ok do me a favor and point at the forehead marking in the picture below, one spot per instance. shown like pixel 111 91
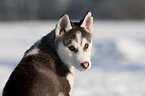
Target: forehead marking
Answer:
pixel 79 38
pixel 76 35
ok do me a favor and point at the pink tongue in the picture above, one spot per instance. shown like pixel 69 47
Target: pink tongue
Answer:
pixel 86 64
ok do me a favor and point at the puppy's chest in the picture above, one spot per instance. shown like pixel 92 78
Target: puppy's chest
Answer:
pixel 70 78
pixel 66 84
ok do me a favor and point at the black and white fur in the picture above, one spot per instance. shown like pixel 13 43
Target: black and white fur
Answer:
pixel 47 67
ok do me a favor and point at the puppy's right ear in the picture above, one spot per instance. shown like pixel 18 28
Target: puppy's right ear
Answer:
pixel 87 22
pixel 63 25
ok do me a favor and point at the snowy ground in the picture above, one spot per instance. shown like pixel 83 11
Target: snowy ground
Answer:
pixel 118 56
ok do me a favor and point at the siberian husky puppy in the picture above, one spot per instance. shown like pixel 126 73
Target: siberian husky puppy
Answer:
pixel 47 67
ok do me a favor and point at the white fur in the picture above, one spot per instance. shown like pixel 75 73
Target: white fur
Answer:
pixel 35 50
pixel 60 94
pixel 75 59
pixel 32 52
pixel 70 78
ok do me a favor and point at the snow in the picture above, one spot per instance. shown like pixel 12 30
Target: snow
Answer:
pixel 118 56
pixel 132 49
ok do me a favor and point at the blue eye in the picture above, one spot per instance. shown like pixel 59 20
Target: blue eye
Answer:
pixel 72 48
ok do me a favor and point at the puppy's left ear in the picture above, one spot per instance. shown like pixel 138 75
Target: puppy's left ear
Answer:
pixel 87 22
pixel 63 25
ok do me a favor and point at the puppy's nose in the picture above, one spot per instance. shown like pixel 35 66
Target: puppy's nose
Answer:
pixel 85 65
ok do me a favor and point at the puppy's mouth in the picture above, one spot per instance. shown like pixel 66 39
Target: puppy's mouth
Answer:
pixel 85 65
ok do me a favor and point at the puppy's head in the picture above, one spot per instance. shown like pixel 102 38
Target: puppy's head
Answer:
pixel 74 41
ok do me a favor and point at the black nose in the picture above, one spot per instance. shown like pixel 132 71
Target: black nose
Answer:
pixel 85 65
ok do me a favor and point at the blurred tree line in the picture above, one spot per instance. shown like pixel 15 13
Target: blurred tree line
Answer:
pixel 53 9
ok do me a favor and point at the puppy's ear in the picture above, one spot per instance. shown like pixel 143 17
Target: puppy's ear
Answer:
pixel 63 25
pixel 87 22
